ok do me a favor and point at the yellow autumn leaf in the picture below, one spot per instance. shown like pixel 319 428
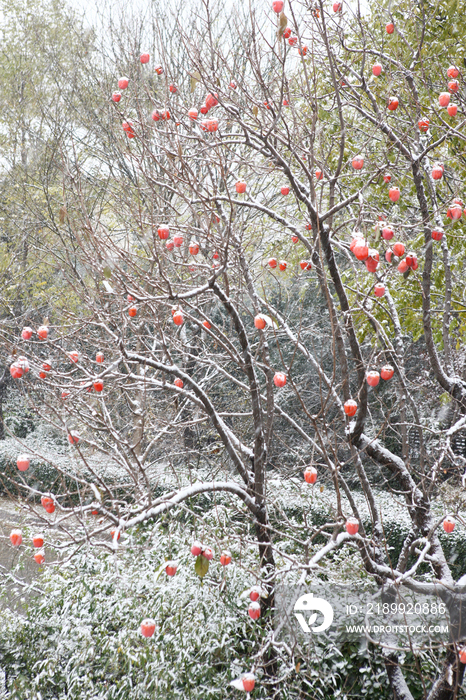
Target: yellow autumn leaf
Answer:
pixel 282 24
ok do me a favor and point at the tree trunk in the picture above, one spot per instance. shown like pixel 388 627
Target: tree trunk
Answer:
pixel 446 687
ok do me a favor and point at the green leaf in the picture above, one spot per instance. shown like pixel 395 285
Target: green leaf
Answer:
pixel 107 272
pixel 201 567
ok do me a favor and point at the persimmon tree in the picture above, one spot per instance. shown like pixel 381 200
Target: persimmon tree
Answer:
pixel 260 233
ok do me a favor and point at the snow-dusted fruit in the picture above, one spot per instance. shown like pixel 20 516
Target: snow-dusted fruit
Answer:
pixel 16 537
pixel 39 556
pixel 196 549
pixel 372 260
pixel 387 372
pixel 437 171
pixel 23 463
pixel 310 475
pixel 16 371
pixel 163 232
pixel 279 379
pixel 48 504
pixel 225 558
pixel 411 260
pixel 361 249
pixel 423 125
pixel 211 100
pixel 455 211
pixel 449 524
pixel 444 99
pixel 38 540
pixel 246 682
pixel 372 378
pixel 254 611
pixel 147 627
pixel 249 682
pixel 402 267
pixel 207 553
pixel 399 249
pixel 170 568
pixel 352 526
pixel 350 407
pixel 254 593
pixel 73 437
